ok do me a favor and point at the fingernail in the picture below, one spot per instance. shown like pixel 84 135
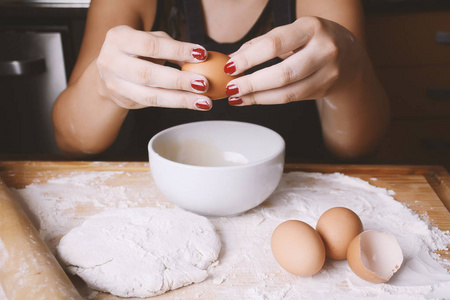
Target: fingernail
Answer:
pixel 199 53
pixel 230 68
pixel 235 100
pixel 199 85
pixel 202 104
pixel 231 90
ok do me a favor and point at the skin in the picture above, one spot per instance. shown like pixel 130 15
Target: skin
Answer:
pixel 120 67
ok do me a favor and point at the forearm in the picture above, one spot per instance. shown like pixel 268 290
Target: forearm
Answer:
pixel 355 117
pixel 85 121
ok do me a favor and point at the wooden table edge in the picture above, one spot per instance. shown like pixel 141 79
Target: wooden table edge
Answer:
pixel 437 176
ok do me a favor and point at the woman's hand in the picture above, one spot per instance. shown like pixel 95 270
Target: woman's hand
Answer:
pixel 320 57
pixel 132 73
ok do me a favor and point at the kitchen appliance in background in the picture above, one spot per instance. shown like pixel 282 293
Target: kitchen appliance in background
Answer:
pixel 32 75
pixel 49 3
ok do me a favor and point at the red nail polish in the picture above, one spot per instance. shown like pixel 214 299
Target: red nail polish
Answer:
pixel 199 85
pixel 199 53
pixel 235 101
pixel 231 90
pixel 202 104
pixel 230 68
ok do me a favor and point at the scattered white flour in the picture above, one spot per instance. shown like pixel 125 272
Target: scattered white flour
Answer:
pixel 63 203
pixel 140 252
pixel 247 269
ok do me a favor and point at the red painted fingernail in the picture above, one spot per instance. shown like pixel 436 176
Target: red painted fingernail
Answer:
pixel 199 85
pixel 202 104
pixel 199 53
pixel 231 90
pixel 235 100
pixel 230 68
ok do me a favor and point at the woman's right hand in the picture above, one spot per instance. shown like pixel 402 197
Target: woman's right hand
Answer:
pixel 132 73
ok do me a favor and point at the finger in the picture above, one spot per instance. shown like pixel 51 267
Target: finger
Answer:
pixel 292 69
pixel 155 45
pixel 249 43
pixel 277 42
pixel 246 45
pixel 147 73
pixel 113 86
pixel 200 54
pixel 314 86
pixel 146 96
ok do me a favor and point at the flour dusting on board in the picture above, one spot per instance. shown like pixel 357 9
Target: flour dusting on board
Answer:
pixel 246 268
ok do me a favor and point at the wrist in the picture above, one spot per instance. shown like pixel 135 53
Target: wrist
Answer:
pixel 353 75
pixel 103 94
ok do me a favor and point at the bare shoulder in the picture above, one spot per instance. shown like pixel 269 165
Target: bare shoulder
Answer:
pixel 348 13
pixel 106 14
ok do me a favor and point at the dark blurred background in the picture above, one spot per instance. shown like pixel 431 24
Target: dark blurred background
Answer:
pixel 408 41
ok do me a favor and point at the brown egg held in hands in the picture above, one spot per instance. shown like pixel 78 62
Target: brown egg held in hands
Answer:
pixel 298 248
pixel 375 256
pixel 213 70
pixel 337 227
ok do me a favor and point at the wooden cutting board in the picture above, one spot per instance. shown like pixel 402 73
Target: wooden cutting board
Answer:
pixel 425 189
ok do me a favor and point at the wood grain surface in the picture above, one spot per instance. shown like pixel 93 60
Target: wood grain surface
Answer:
pixel 424 189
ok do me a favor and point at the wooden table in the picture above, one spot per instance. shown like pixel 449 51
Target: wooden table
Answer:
pixel 425 189
pixel 431 183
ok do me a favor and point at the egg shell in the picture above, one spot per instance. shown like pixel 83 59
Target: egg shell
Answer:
pixel 213 69
pixel 298 248
pixel 374 256
pixel 338 226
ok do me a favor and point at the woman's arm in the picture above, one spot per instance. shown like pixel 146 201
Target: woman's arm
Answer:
pixel 324 59
pixel 120 68
pixel 82 115
pixel 355 116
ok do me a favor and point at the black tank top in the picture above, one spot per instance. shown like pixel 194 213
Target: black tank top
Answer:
pixel 297 122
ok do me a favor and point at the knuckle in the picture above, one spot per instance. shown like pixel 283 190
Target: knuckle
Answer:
pixel 251 99
pixel 274 44
pixel 242 61
pixel 186 102
pixel 182 52
pixel 110 85
pixel 111 34
pixel 332 51
pixel 125 102
pixel 150 46
pixel 179 83
pixel 290 96
pixel 114 33
pixel 151 100
pixel 145 74
pixel 248 87
pixel 160 33
pixel 101 62
pixel 315 23
pixel 285 76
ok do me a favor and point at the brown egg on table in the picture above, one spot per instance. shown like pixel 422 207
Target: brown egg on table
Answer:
pixel 337 227
pixel 375 256
pixel 298 248
pixel 213 70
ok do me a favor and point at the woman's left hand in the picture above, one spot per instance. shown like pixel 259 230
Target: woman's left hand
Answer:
pixel 320 57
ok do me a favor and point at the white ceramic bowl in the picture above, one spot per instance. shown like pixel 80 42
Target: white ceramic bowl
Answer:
pixel 217 168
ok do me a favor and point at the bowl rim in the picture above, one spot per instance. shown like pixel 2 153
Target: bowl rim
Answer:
pixel 280 150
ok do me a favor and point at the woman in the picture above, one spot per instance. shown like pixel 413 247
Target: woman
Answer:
pixel 316 51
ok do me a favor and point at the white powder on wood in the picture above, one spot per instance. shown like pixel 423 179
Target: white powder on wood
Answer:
pixel 247 269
